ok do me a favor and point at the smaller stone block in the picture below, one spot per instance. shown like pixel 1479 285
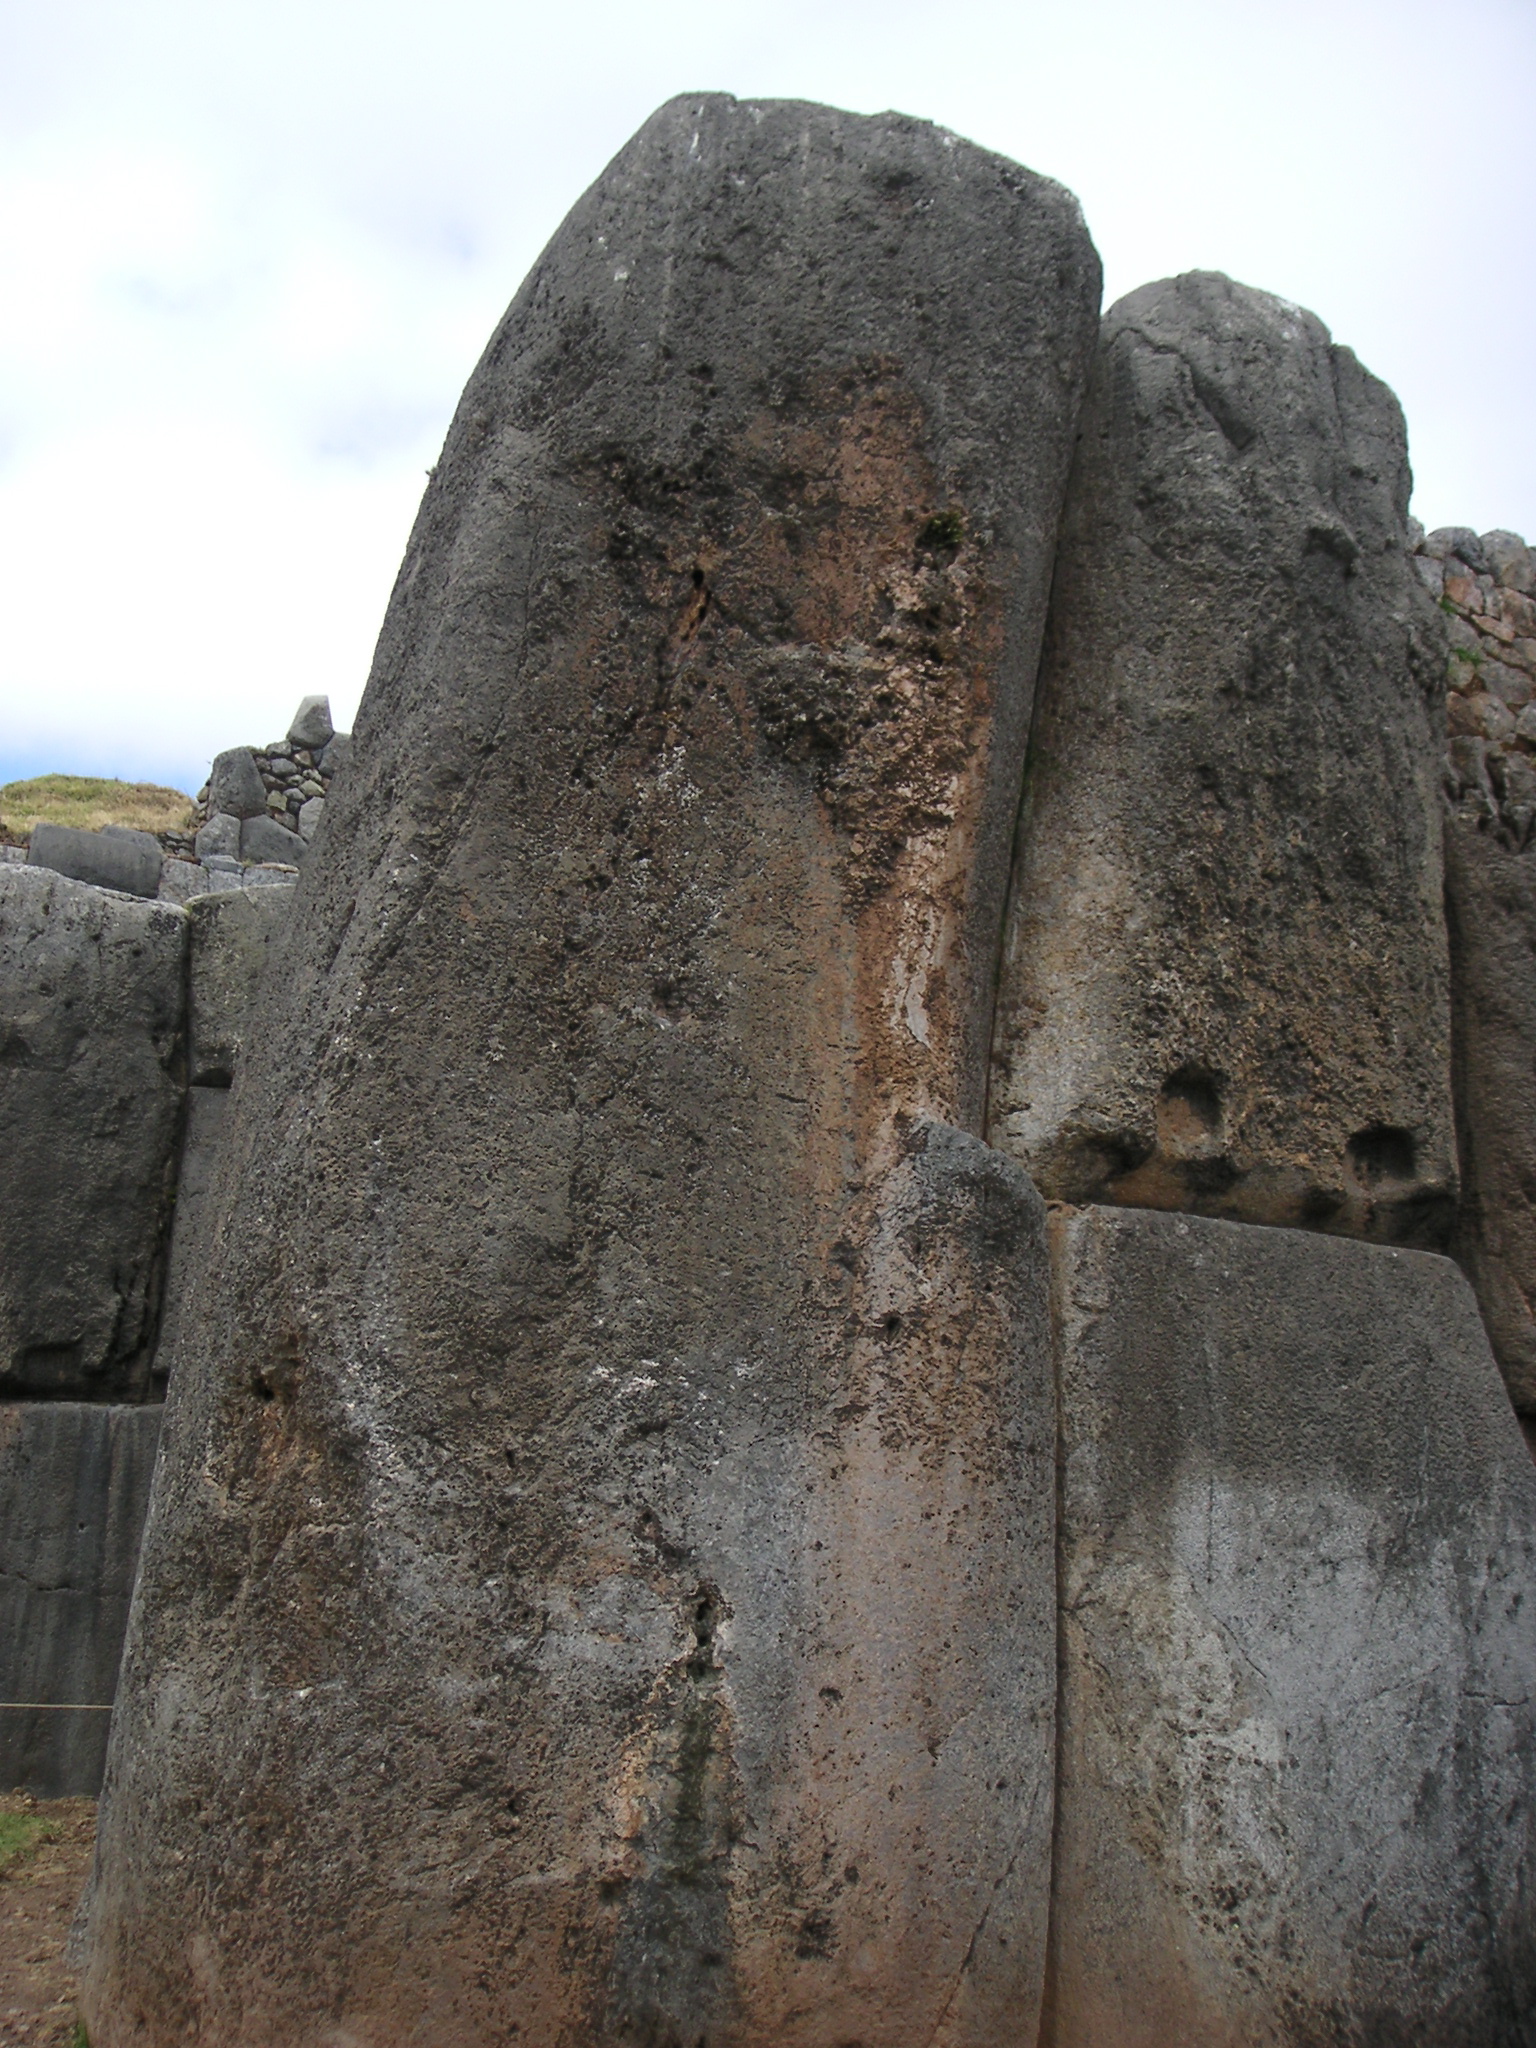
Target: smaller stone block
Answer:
pixel 233 934
pixel 337 754
pixel 181 880
pixel 129 861
pixel 74 1487
pixel 1298 1673
pixel 235 785
pixel 221 835
pixel 206 1128
pixel 312 725
pixel 310 813
pixel 264 839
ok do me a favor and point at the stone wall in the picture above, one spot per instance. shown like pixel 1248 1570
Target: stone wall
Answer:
pixel 253 823
pixel 122 1025
pixel 1486 586
pixel 660 1537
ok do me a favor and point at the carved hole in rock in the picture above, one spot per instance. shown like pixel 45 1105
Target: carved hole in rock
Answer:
pixel 1381 1154
pixel 1189 1112
pixel 278 1379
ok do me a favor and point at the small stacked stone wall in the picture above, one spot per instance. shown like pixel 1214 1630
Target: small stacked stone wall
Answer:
pixel 253 821
pixel 1486 586
pixel 265 804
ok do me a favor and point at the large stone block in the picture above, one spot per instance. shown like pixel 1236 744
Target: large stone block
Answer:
pixel 129 861
pixel 604 1527
pixel 92 1013
pixel 1490 901
pixel 234 934
pixel 74 1485
pixel 1298 1685
pixel 1225 987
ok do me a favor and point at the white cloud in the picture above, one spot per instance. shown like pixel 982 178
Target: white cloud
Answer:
pixel 251 253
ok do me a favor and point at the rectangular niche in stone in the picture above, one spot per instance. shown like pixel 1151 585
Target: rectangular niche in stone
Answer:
pixel 1298 1667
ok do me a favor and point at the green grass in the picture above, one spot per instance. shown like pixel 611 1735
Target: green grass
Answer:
pixel 79 2038
pixel 91 801
pixel 20 1833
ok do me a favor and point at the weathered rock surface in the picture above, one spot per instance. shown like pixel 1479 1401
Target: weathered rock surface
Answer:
pixel 233 936
pixel 74 1482
pixel 124 860
pixel 92 1020
pixel 263 839
pixel 221 835
pixel 1225 984
pixel 1490 898
pixel 235 786
pixel 1298 1685
pixel 604 1545
pixel 312 725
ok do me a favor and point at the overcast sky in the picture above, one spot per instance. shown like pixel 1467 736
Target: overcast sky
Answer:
pixel 249 254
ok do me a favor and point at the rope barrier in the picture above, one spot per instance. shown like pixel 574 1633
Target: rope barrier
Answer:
pixel 55 1707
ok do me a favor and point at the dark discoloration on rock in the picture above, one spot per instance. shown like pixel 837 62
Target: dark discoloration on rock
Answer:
pixel 74 1482
pixel 92 1014
pixel 600 1581
pixel 1226 978
pixel 1298 1680
pixel 1490 900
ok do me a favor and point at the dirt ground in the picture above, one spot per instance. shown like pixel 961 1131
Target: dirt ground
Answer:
pixel 39 1890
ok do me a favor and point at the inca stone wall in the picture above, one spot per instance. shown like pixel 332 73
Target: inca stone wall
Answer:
pixel 659 1538
pixel 109 1006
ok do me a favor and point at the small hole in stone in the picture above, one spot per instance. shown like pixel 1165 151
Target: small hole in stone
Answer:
pixel 1381 1152
pixel 1189 1109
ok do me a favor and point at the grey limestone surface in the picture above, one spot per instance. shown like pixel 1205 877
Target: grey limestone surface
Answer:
pixel 123 860
pixel 92 1046
pixel 606 1533
pixel 74 1485
pixel 1297 1779
pixel 1225 985
pixel 234 935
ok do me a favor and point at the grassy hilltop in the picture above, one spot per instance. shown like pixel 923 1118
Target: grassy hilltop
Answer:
pixel 90 801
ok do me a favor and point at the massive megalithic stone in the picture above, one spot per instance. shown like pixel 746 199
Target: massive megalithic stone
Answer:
pixel 74 1481
pixel 1297 1793
pixel 1225 988
pixel 600 1584
pixel 92 1028
pixel 1490 900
